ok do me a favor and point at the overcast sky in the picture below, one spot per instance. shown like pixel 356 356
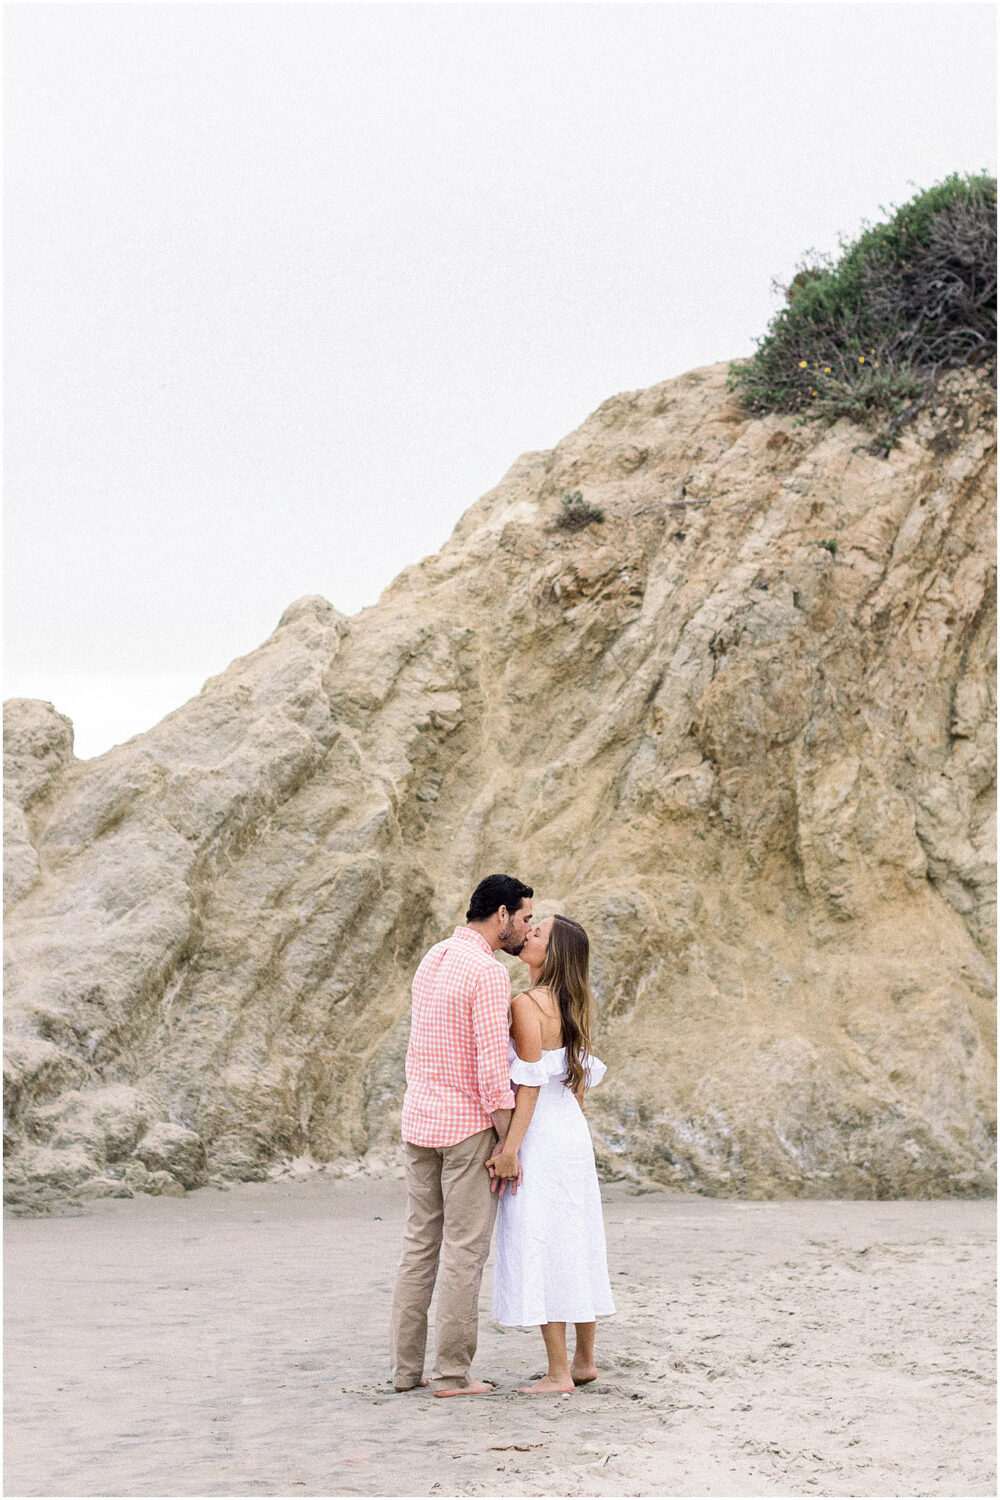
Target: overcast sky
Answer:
pixel 290 286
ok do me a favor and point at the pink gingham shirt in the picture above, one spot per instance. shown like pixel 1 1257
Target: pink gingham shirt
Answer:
pixel 457 1072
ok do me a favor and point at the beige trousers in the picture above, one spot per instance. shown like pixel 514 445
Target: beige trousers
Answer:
pixel 450 1213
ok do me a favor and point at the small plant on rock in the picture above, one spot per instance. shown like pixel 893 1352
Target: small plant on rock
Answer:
pixel 575 513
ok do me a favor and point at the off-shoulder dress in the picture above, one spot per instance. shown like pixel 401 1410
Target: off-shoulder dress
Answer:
pixel 550 1257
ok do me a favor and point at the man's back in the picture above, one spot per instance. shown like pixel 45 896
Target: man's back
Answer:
pixel 457 1070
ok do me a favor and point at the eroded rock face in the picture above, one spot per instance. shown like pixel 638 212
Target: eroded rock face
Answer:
pixel 174 1149
pixel 37 746
pixel 743 730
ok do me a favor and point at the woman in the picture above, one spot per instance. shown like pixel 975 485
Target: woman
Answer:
pixel 550 1263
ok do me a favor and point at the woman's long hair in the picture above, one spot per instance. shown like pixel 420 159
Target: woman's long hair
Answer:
pixel 565 975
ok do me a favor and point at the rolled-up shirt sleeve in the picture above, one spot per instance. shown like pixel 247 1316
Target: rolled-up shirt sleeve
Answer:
pixel 490 1030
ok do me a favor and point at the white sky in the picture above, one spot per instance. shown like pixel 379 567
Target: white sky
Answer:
pixel 290 286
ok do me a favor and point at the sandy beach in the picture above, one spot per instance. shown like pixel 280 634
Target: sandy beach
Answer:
pixel 233 1343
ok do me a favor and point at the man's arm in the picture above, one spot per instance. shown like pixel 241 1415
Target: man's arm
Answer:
pixel 504 1165
pixel 490 1010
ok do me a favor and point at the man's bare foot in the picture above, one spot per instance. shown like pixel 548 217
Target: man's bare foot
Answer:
pixel 474 1388
pixel 402 1388
pixel 547 1386
pixel 583 1374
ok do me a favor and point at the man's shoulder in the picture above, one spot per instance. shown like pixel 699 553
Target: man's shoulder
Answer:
pixel 462 948
pixel 463 956
pixel 432 960
pixel 496 973
pixel 435 950
pixel 480 958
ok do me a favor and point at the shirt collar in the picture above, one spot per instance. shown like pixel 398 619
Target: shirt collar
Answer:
pixel 468 935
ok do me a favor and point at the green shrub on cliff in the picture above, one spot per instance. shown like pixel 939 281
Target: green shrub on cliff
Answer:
pixel 870 334
pixel 575 513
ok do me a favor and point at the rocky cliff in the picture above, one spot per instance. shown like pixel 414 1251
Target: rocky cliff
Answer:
pixel 742 728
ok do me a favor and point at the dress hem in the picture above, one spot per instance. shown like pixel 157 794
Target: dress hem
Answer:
pixel 554 1318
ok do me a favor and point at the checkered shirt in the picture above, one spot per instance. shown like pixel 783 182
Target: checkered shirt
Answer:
pixel 457 1071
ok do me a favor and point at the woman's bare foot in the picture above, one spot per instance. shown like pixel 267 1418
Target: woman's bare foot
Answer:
pixel 547 1386
pixel 402 1388
pixel 582 1374
pixel 474 1388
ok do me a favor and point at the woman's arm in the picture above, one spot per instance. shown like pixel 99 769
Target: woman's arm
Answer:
pixel 527 1033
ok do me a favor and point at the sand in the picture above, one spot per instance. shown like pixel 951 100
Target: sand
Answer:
pixel 233 1343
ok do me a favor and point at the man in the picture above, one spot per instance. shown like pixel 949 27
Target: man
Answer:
pixel 457 1105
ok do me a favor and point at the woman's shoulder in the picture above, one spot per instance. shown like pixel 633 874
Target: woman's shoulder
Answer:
pixel 536 1016
pixel 525 1015
pixel 537 998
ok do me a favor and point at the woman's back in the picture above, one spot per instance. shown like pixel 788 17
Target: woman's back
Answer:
pixel 539 1005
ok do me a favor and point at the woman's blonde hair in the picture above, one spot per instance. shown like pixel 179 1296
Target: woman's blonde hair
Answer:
pixel 565 975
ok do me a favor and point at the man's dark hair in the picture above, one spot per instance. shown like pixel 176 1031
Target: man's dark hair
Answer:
pixel 496 891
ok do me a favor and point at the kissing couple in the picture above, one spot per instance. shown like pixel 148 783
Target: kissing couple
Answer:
pixel 476 1158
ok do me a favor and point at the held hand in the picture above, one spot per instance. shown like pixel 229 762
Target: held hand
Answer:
pixel 504 1168
pixel 499 1185
pixel 498 1151
pixel 503 1163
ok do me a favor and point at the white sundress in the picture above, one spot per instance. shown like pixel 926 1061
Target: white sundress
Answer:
pixel 550 1260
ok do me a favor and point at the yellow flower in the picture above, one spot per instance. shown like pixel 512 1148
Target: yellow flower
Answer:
pixel 803 363
pixel 826 369
pixel 861 359
pixel 815 393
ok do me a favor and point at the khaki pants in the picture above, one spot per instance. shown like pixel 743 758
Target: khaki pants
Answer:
pixel 450 1213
